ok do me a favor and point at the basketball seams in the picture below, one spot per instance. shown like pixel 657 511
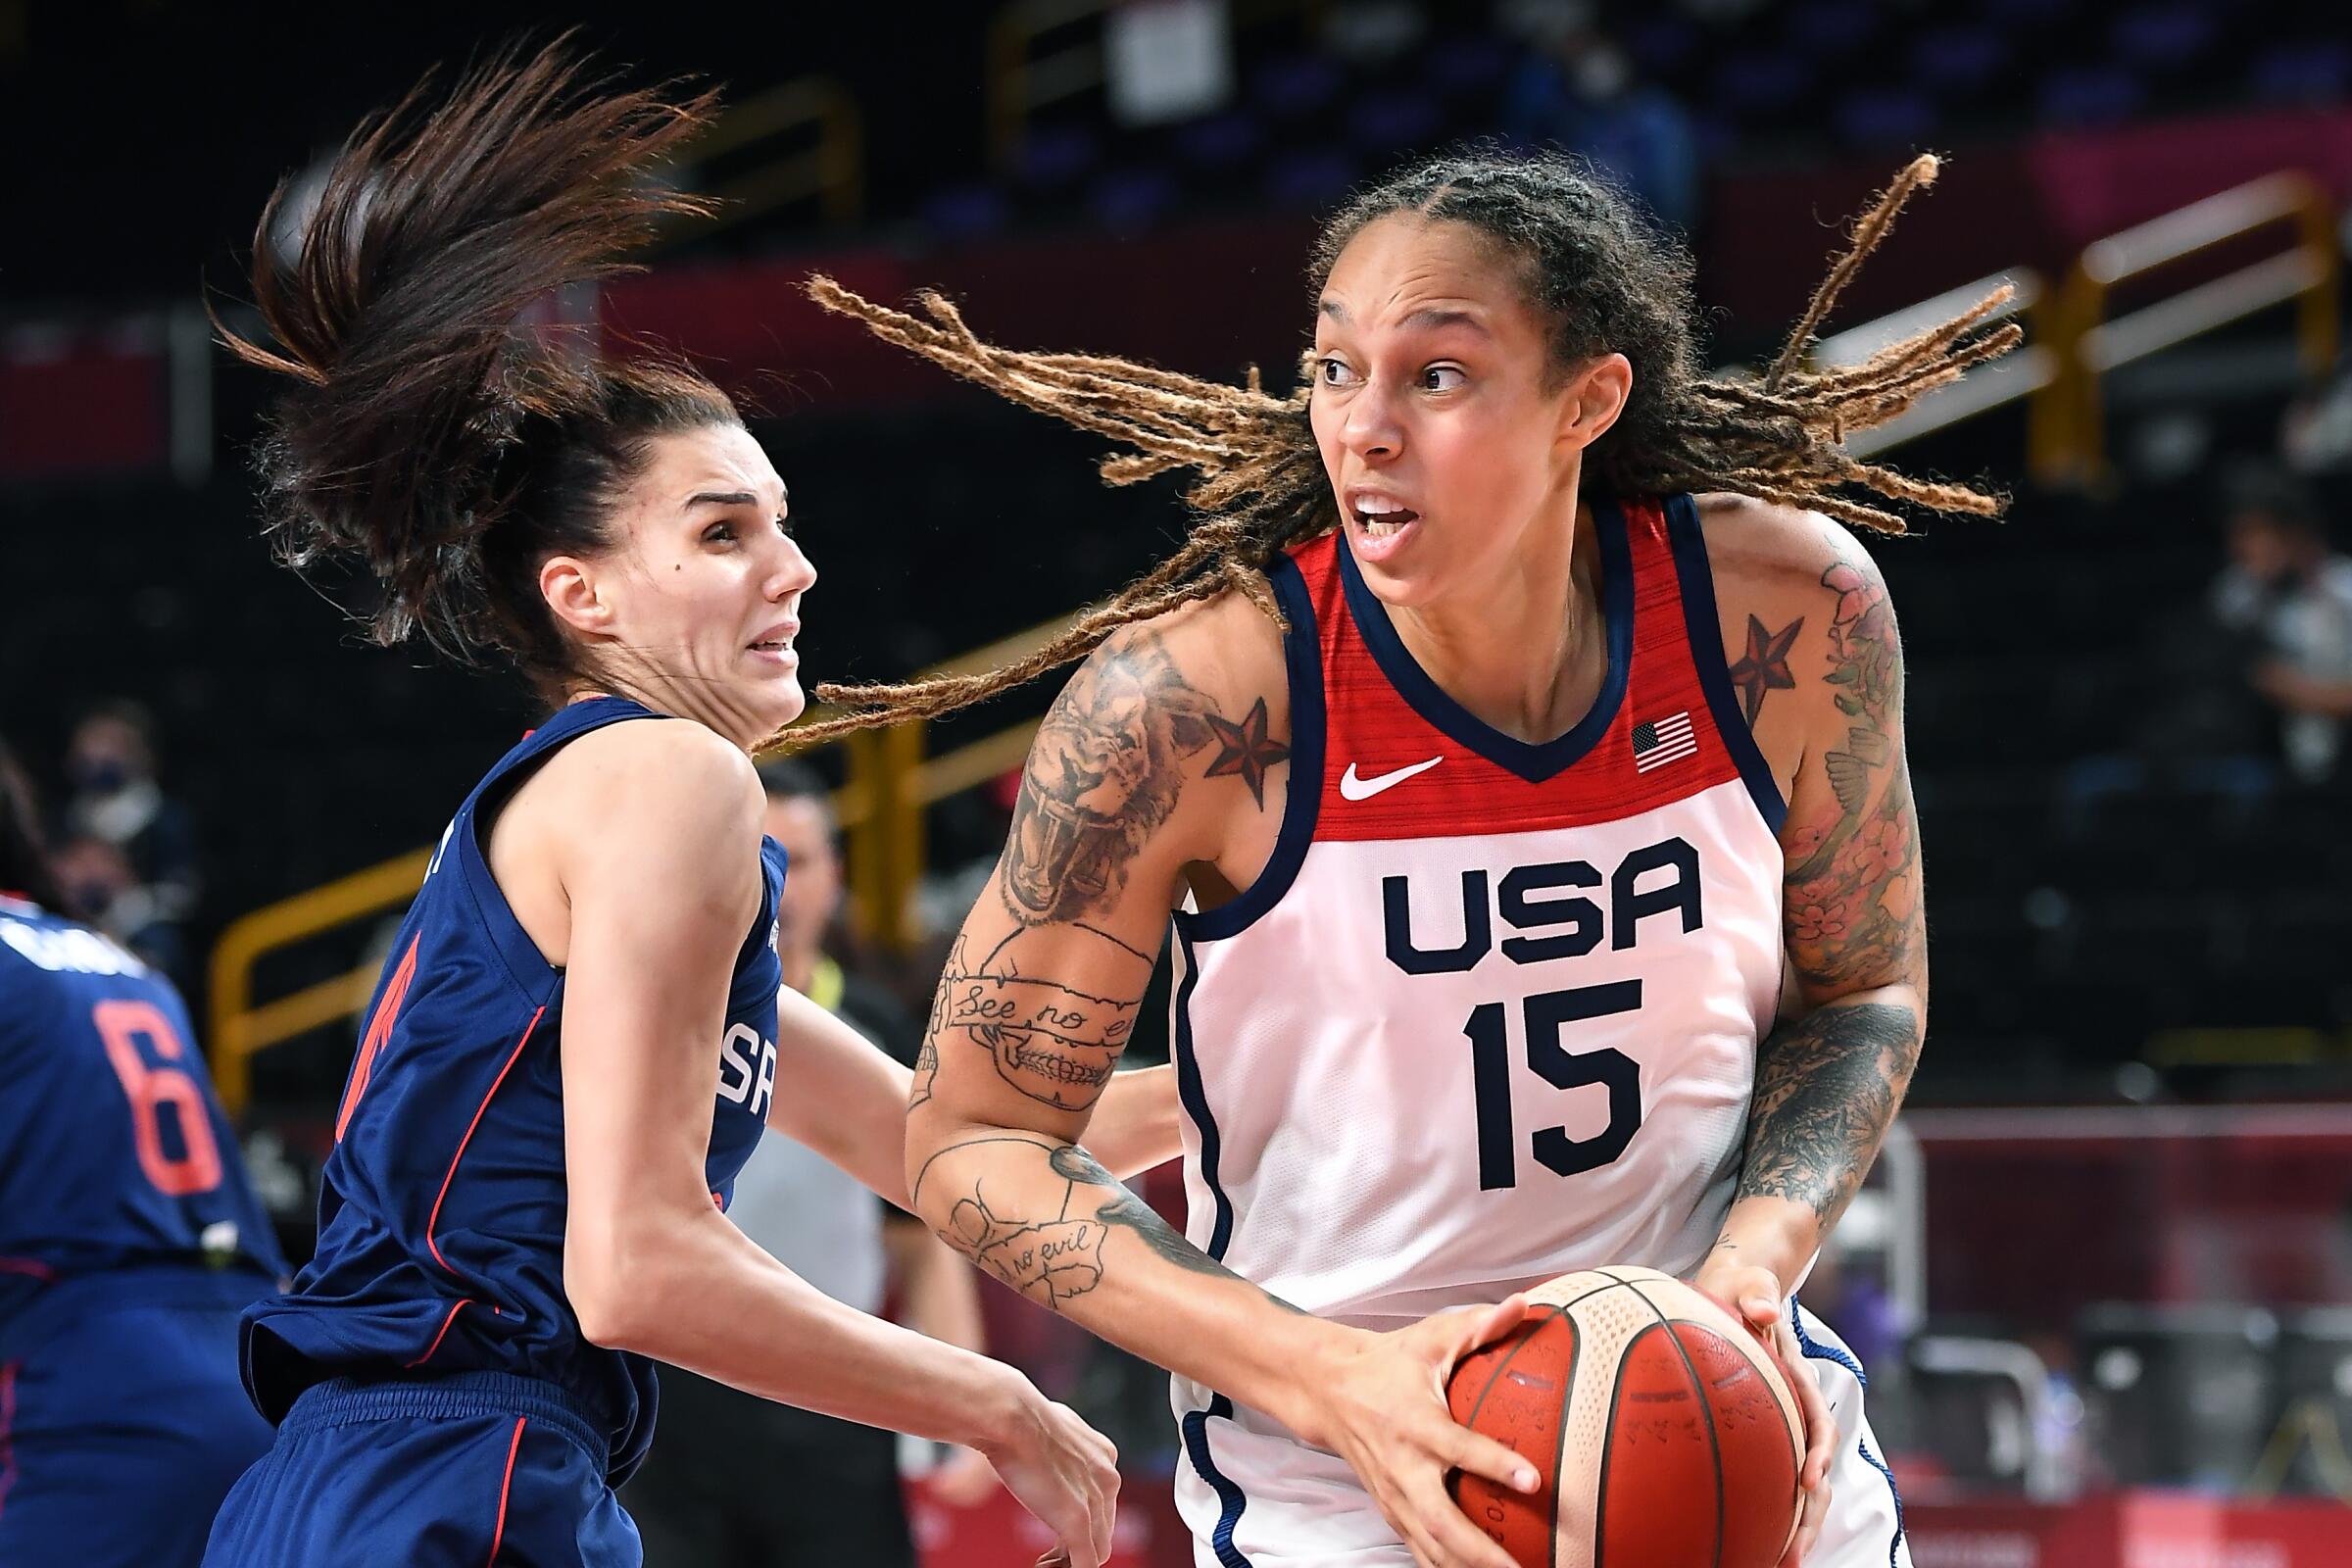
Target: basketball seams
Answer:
pixel 1559 1442
pixel 1698 1385
pixel 1586 1436
pixel 1608 1449
pixel 1533 1329
pixel 1551 1313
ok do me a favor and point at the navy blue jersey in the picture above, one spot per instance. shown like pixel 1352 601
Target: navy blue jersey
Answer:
pixel 114 1152
pixel 441 1219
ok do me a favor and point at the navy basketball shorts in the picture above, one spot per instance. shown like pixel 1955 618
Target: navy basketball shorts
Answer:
pixel 479 1469
pixel 121 1430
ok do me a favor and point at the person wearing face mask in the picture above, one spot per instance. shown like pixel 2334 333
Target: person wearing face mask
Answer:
pixel 582 1029
pixel 1514 750
pixel 116 801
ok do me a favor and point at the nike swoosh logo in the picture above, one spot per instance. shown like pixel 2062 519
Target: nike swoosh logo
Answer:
pixel 1353 788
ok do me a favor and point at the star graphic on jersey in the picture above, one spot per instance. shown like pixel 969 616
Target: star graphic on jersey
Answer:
pixel 1766 666
pixel 1244 749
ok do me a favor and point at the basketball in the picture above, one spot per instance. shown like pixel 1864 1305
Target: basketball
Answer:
pixel 1662 1429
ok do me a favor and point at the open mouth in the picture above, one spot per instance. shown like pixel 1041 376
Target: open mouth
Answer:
pixel 1380 517
pixel 777 643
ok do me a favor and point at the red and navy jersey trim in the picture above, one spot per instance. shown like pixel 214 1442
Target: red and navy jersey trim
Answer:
pixel 1533 761
pixel 1302 663
pixel 1699 616
pixel 1405 761
pixel 1359 697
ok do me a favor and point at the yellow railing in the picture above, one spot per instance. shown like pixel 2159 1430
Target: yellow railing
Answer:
pixel 891 781
pixel 238 1027
pixel 881 806
pixel 2067 436
pixel 804 140
pixel 2025 372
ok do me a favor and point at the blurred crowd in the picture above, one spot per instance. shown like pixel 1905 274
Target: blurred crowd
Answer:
pixel 126 853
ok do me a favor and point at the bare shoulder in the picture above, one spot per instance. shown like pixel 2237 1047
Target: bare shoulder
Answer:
pixel 1169 731
pixel 1764 552
pixel 611 817
pixel 628 796
pixel 1227 648
pixel 673 762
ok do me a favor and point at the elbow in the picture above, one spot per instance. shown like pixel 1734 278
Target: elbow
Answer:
pixel 610 1277
pixel 927 1134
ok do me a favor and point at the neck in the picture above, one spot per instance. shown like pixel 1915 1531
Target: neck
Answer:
pixel 1523 649
pixel 800 967
pixel 676 698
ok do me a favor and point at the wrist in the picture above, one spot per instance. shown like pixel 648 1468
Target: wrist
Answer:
pixel 1002 1415
pixel 1773 1234
pixel 1307 1369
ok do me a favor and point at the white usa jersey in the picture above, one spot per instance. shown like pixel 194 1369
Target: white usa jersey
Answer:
pixel 1488 1015
pixel 1491 1013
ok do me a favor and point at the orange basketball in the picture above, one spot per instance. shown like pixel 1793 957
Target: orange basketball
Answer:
pixel 1662 1429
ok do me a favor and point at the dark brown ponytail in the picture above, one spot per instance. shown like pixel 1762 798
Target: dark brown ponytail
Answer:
pixel 434 434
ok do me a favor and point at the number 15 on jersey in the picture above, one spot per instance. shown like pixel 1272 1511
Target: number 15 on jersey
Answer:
pixel 1543 1016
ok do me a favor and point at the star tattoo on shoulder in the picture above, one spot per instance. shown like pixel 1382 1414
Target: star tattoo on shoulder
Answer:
pixel 1244 749
pixel 1765 668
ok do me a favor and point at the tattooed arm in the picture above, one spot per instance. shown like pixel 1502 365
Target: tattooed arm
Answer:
pixel 1830 1078
pixel 1141 759
pixel 1164 760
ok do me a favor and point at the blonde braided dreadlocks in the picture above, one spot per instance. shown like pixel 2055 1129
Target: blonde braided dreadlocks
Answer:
pixel 1607 281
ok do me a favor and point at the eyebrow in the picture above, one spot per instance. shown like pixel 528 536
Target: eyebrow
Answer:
pixel 726 497
pixel 1432 317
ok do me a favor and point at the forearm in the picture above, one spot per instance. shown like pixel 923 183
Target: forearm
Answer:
pixel 694 1291
pixel 939 1294
pixel 1039 1214
pixel 1828 1086
pixel 1134 1125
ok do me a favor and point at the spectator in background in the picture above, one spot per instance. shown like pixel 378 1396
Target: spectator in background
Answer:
pixel 1577 89
pixel 114 799
pixel 743 1481
pixel 2315 436
pixel 101 888
pixel 2285 588
pixel 2263 671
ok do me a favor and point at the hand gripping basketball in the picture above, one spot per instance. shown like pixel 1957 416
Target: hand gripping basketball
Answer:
pixel 1753 1296
pixel 1666 1435
pixel 1380 1404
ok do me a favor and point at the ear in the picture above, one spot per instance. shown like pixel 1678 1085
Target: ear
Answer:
pixel 1595 396
pixel 569 586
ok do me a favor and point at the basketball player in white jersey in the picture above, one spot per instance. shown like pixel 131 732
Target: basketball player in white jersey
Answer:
pixel 1543 861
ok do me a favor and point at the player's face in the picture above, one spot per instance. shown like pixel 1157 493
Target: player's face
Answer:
pixel 699 600
pixel 1446 437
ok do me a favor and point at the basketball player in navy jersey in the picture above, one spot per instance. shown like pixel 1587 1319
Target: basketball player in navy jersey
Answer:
pixel 129 1240
pixel 1539 836
pixel 578 1036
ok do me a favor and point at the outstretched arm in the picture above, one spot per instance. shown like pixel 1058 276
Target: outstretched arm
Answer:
pixel 653 828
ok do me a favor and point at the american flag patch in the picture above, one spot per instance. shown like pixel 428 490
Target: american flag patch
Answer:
pixel 1663 740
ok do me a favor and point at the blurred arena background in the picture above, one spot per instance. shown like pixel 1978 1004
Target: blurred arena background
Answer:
pixel 2103 1275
